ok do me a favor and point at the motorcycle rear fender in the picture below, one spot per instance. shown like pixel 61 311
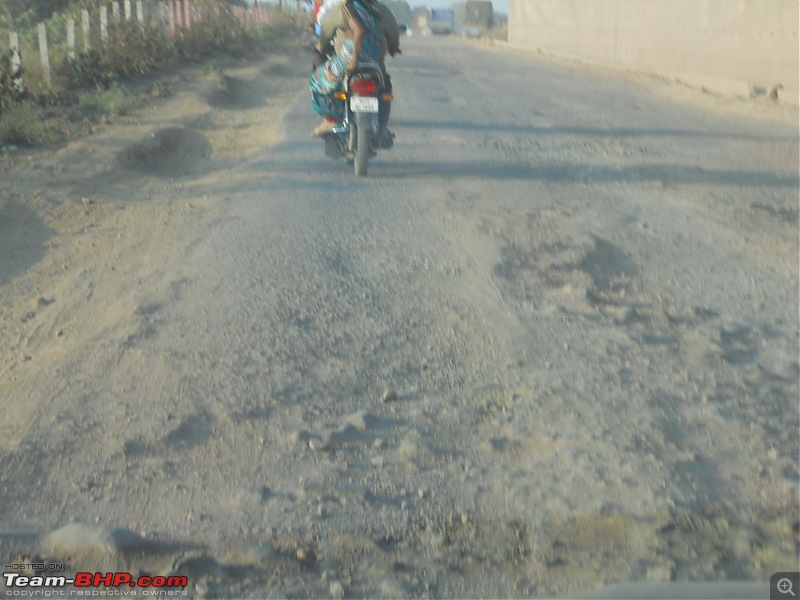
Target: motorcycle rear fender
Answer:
pixel 368 120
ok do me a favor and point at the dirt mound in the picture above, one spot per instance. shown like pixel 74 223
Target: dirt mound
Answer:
pixel 86 541
pixel 280 70
pixel 171 152
pixel 234 93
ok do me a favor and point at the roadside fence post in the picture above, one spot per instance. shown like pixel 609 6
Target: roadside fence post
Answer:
pixel 163 16
pixel 16 59
pixel 104 25
pixel 140 11
pixel 45 56
pixel 127 5
pixel 71 38
pixel 87 43
pixel 172 24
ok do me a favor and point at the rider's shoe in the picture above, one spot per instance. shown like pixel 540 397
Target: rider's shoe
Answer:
pixel 386 140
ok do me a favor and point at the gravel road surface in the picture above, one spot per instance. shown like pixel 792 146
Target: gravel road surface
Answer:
pixel 549 343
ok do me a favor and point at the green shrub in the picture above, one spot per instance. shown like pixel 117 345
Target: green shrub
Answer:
pixel 23 124
pixel 222 32
pixel 134 49
pixel 226 33
pixel 112 101
pixel 86 85
pixel 86 70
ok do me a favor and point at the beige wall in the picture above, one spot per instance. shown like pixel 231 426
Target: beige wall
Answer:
pixel 724 45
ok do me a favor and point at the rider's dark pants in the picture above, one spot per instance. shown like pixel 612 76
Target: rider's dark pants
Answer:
pixel 384 108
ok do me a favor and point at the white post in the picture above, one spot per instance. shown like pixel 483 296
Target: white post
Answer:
pixel 43 53
pixel 174 22
pixel 104 25
pixel 127 5
pixel 115 11
pixel 187 12
pixel 16 59
pixel 71 38
pixel 87 44
pixel 163 16
pixel 140 11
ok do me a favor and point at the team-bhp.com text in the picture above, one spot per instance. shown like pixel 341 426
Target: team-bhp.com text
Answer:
pixel 94 584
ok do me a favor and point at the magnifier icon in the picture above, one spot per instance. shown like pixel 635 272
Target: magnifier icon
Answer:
pixel 785 587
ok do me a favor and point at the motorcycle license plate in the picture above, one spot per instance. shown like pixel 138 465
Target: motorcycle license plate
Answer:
pixel 364 104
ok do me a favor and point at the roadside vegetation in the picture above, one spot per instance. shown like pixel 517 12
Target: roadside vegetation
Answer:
pixel 499 33
pixel 94 85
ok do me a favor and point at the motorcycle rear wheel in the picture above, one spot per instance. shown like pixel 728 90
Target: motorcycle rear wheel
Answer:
pixel 362 151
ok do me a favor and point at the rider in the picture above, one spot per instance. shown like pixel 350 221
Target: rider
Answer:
pixel 332 28
pixel 331 20
pixel 317 8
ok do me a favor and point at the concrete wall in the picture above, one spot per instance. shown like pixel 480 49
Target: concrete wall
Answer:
pixel 729 46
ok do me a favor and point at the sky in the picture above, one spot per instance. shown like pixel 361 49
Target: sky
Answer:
pixel 498 5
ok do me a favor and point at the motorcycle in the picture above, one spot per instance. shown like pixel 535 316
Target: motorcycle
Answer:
pixel 367 97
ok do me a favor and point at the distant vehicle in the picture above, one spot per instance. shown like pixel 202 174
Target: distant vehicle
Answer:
pixel 478 18
pixel 441 21
pixel 421 23
pixel 473 32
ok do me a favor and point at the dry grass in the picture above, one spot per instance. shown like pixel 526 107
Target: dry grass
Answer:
pixel 498 33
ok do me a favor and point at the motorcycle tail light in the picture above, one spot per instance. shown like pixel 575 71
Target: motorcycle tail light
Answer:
pixel 363 87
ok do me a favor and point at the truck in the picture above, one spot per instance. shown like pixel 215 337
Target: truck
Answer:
pixel 441 21
pixel 478 17
pixel 421 24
